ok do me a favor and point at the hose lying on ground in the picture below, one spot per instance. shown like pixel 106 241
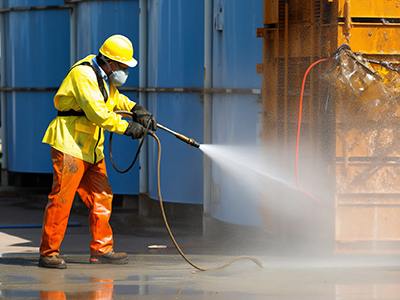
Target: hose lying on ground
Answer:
pixel 256 261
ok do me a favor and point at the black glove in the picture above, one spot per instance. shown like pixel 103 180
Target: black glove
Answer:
pixel 142 116
pixel 134 130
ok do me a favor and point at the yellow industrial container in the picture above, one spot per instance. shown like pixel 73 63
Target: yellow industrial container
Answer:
pixel 363 157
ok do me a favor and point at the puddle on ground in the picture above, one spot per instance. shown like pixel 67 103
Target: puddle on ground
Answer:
pixel 168 277
pixel 110 291
pixel 161 286
pixel 122 292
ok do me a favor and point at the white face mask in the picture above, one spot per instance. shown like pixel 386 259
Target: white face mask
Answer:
pixel 119 76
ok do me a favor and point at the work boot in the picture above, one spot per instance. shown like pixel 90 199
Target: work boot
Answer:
pixel 110 258
pixel 52 261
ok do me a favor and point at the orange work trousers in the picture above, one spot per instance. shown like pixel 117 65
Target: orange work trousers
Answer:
pixel 73 175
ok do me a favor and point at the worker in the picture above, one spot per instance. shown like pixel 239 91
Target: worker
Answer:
pixel 86 102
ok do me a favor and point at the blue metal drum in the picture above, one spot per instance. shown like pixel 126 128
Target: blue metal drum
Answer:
pixel 34 3
pixel 181 165
pixel 37 56
pixel 176 59
pixel 98 20
pixel 236 118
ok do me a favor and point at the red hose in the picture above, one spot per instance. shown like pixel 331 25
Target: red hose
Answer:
pixel 299 127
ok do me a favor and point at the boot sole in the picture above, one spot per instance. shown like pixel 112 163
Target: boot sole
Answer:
pixel 95 260
pixel 59 266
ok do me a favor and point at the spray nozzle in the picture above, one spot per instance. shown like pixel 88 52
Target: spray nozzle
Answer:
pixel 189 141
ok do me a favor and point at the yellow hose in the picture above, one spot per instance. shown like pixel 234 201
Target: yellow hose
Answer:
pixel 256 261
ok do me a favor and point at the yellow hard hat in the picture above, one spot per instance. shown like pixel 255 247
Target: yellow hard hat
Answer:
pixel 119 48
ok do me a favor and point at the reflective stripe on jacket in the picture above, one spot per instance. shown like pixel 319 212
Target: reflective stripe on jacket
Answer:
pixel 82 136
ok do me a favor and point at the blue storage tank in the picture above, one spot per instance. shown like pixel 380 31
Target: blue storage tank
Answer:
pixel 176 59
pixel 37 56
pixel 236 118
pixel 96 21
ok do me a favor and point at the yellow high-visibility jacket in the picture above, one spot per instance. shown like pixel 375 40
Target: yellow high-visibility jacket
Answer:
pixel 83 136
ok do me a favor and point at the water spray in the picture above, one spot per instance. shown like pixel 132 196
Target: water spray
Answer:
pixel 190 142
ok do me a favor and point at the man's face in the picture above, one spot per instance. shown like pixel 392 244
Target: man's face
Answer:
pixel 117 65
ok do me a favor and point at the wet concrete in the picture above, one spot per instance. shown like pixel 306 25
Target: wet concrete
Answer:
pixel 163 274
pixel 149 276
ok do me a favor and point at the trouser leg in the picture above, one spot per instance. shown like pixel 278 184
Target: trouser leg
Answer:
pixel 67 175
pixel 95 192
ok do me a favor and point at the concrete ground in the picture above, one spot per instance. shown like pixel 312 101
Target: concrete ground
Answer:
pixel 163 274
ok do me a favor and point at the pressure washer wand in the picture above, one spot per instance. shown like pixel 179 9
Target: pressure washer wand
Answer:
pixel 189 141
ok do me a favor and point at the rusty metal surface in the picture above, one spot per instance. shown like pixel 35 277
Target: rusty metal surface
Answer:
pixel 271 12
pixel 367 198
pixel 356 123
pixel 292 40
